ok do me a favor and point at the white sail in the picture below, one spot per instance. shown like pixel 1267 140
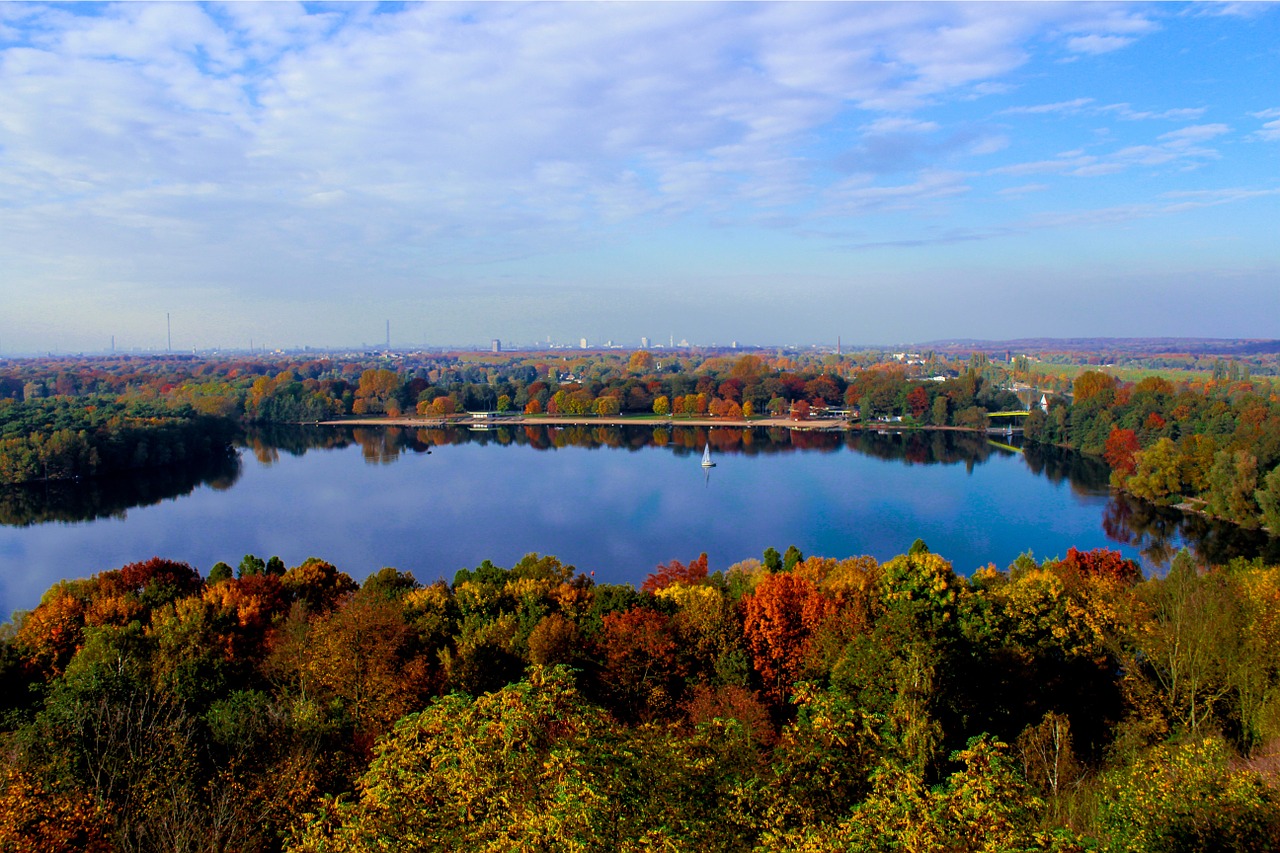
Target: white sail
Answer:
pixel 706 457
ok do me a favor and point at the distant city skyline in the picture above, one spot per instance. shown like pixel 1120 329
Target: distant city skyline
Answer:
pixel 188 176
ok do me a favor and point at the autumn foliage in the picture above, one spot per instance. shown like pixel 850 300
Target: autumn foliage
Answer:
pixel 1122 444
pixel 780 617
pixel 676 572
pixel 785 704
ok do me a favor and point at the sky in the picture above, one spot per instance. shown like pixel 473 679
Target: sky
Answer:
pixel 283 175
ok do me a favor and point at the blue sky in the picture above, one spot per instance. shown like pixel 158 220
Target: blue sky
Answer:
pixel 790 173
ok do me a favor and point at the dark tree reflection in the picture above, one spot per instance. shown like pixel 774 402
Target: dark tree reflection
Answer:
pixel 107 497
pixel 1160 532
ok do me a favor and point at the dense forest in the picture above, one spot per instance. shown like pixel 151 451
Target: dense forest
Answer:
pixel 787 703
pixel 66 438
pixel 1213 447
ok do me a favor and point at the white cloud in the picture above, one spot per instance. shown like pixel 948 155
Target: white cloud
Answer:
pixel 1183 200
pixel 1096 44
pixel 1104 28
pixel 1169 203
pixel 859 195
pixel 471 115
pixel 1123 111
pixel 1188 136
pixel 312 147
pixel 1071 106
pixel 1127 113
pixel 1182 147
pixel 900 124
pixel 1269 132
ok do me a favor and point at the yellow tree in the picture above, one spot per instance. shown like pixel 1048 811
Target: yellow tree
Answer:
pixel 37 816
pixel 360 655
pixel 641 361
pixel 375 391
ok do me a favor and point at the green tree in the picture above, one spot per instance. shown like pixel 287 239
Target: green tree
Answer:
pixel 1233 480
pixel 1268 498
pixel 791 558
pixel 938 412
pixel 535 767
pixel 1188 640
pixel 1184 797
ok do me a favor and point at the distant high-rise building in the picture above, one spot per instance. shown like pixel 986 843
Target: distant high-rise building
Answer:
pixel 495 345
pixel 733 345
pixel 644 343
pixel 582 344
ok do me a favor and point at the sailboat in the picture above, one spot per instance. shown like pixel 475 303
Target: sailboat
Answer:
pixel 706 457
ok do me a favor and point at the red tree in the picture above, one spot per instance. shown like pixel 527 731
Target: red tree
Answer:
pixel 1104 564
pixel 1121 446
pixel 676 572
pixel 640 668
pixel 781 616
pixel 918 401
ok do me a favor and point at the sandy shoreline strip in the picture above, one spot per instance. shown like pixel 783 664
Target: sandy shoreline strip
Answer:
pixel 569 420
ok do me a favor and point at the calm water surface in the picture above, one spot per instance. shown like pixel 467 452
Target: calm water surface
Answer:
pixel 615 502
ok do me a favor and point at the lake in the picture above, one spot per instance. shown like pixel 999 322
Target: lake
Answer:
pixel 608 500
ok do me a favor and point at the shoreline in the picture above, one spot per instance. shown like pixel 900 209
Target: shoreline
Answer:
pixel 580 420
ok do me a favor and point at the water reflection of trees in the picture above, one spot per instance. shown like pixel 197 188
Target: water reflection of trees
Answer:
pixel 1157 532
pixel 106 497
pixel 1084 474
pixel 268 441
pixel 1160 532
pixel 380 445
